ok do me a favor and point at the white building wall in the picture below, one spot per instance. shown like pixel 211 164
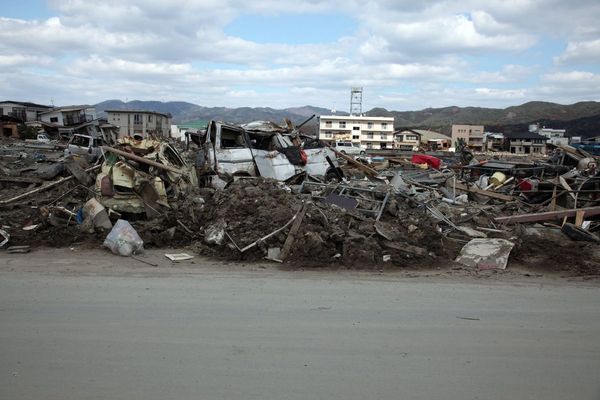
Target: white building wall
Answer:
pixel 54 117
pixel 371 132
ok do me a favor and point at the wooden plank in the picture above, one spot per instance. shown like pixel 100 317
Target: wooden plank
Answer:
pixel 289 241
pixel 487 193
pixel 553 202
pixel 361 166
pixel 565 185
pixel 547 216
pixel 143 160
pixel 579 218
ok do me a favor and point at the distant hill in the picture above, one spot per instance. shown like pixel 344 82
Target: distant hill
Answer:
pixel 581 118
pixel 184 112
pixel 440 118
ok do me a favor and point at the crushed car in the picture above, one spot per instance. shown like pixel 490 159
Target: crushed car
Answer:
pixel 260 148
pixel 140 176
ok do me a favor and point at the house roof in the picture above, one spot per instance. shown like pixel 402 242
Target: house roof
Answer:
pixel 25 104
pixel 68 108
pixel 166 115
pixel 524 135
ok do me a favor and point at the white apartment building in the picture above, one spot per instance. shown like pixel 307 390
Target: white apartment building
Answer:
pixel 370 132
pixel 141 123
pixel 555 136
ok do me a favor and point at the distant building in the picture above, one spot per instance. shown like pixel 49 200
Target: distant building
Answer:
pixel 370 132
pixel 406 140
pixel 140 123
pixel 9 126
pixel 424 138
pixel 493 141
pixel 471 134
pixel 525 143
pixel 555 136
pixel 178 131
pixel 68 120
pixel 23 111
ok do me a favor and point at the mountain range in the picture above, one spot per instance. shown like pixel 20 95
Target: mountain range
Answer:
pixel 583 117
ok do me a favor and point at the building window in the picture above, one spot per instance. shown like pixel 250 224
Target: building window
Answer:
pixel 369 136
pixel 384 125
pixel 356 137
pixel 342 124
pixel 369 125
pixel 328 134
pixel 137 118
pixel 383 145
pixel 327 124
pixel 411 137
pixel 369 145
pixel 356 128
pixel 383 136
pixel 54 120
pixel 149 117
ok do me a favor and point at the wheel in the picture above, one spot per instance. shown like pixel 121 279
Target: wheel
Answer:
pixel 362 153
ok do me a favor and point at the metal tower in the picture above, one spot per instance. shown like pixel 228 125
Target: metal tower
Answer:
pixel 356 101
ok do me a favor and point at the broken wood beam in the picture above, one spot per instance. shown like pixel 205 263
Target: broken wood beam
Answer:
pixel 289 241
pixel 370 171
pixel 547 216
pixel 143 160
pixel 487 193
pixel 45 187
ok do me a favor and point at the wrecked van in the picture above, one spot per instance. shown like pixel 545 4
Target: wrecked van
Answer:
pixel 84 145
pixel 260 148
pixel 142 175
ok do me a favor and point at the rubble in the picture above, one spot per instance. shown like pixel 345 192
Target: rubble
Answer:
pixel 419 212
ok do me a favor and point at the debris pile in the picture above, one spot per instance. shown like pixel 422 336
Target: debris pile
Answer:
pixel 419 212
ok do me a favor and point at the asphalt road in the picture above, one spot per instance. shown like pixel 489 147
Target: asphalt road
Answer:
pixel 238 335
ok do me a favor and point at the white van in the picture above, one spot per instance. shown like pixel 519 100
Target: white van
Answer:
pixel 84 145
pixel 350 148
pixel 262 149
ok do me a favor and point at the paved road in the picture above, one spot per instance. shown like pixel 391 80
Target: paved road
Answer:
pixel 236 335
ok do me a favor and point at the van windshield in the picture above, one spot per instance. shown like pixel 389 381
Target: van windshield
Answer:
pixel 81 141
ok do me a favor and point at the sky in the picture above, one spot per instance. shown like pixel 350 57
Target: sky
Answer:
pixel 406 55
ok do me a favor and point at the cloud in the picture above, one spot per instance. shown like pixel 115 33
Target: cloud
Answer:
pixel 404 53
pixel 508 74
pixel 584 52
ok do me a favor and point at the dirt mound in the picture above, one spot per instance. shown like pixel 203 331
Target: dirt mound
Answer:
pixel 328 235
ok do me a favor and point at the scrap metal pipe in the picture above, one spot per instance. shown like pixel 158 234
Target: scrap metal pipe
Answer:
pixel 142 160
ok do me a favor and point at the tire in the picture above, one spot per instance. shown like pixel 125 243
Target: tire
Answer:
pixel 576 233
pixel 363 153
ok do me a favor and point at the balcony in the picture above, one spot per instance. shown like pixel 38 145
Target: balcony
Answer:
pixel 76 119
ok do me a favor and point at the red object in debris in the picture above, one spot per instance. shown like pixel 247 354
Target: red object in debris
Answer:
pixel 432 161
pixel 528 185
pixel 303 157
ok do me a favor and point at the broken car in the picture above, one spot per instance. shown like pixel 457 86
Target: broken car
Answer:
pixel 259 149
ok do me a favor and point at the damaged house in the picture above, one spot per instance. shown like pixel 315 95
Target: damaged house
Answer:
pixel 23 111
pixel 69 120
